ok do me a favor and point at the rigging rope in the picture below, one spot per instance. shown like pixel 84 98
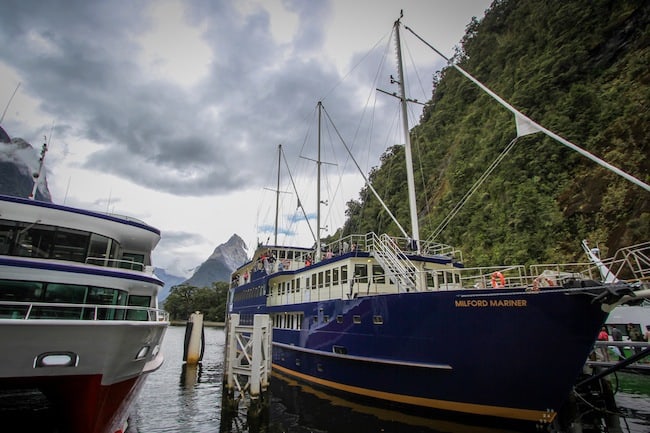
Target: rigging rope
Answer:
pixel 471 191
pixel 527 126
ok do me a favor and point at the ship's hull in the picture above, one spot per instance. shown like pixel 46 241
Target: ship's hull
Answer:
pixel 500 353
pixel 90 371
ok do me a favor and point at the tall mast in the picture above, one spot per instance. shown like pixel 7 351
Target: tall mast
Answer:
pixel 415 229
pixel 37 175
pixel 318 201
pixel 277 197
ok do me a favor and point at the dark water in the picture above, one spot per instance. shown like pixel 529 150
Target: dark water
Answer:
pixel 180 400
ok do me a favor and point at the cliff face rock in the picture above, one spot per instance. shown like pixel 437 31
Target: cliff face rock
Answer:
pixel 218 267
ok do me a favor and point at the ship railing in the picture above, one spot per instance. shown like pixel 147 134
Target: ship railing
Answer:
pixel 116 263
pixel 68 311
pixel 494 277
pixel 559 273
pixel 438 249
pixel 631 263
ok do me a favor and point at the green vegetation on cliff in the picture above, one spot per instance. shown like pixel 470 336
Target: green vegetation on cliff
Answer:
pixel 579 68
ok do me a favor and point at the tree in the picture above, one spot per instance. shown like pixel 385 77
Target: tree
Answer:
pixel 183 300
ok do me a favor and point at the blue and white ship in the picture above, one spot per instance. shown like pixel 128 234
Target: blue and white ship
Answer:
pixel 402 321
pixel 79 315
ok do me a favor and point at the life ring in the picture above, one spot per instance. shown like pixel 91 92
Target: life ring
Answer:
pixel 502 280
pixel 541 278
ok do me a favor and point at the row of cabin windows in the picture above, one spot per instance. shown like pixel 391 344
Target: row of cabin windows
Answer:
pixel 52 242
pixel 339 275
pixel 287 320
pixel 294 320
pixel 296 255
pixel 59 293
pixel 248 293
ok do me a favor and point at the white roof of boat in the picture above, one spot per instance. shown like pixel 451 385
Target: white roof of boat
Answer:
pixel 131 233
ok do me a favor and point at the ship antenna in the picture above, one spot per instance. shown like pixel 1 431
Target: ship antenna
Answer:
pixel 9 103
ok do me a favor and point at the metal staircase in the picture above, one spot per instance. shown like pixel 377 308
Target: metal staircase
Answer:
pixel 399 269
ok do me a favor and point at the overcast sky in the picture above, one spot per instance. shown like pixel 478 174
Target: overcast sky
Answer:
pixel 171 111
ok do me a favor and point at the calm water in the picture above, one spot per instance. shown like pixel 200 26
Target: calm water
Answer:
pixel 177 400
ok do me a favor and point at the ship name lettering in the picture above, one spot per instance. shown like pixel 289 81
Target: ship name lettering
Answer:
pixel 490 303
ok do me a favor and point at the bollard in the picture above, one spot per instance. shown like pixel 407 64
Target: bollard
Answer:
pixel 194 339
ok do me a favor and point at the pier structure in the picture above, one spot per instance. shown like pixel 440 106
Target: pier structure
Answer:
pixel 247 364
pixel 592 408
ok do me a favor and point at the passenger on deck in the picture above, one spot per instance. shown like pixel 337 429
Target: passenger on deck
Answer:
pixel 635 335
pixel 602 350
pixel 617 335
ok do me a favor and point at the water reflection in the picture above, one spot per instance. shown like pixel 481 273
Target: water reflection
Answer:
pixel 296 406
pixel 190 375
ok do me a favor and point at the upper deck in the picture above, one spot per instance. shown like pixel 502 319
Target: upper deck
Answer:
pixel 131 233
pixel 44 230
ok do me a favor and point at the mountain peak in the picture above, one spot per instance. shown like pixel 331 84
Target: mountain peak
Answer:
pixel 226 258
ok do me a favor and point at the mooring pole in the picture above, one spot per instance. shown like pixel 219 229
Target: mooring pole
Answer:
pixel 194 336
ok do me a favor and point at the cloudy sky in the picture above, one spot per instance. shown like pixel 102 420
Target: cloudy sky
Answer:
pixel 172 111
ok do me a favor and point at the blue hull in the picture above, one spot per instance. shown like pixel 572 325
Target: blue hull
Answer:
pixel 503 353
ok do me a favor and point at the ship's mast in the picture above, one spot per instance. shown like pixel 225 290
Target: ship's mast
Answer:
pixel 415 229
pixel 317 254
pixel 277 197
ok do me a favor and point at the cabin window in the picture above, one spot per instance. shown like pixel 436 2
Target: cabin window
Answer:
pixel 65 293
pixel 70 245
pixel 335 276
pixel 7 230
pixel 361 273
pixel 315 319
pixel 320 280
pixel 138 301
pixel 339 318
pixel 328 277
pixel 341 350
pixel 297 280
pixel 326 318
pixel 20 291
pixel 101 250
pixel 430 280
pixel 356 319
pixel 34 241
pixel 344 274
pixel 132 261
pixel 377 320
pixel 378 274
pixel 293 286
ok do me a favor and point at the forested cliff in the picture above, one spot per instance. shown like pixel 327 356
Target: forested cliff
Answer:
pixel 580 69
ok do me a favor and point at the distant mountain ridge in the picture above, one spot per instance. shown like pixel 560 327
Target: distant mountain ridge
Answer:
pixel 226 258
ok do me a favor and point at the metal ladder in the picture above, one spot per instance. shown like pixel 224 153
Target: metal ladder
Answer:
pixel 400 270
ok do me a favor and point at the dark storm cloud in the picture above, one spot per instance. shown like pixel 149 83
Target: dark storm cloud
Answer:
pixel 81 59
